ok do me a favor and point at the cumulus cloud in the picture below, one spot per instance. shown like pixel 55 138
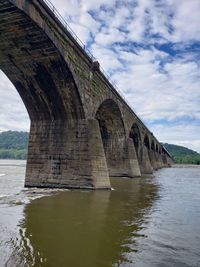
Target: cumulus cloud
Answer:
pixel 167 92
pixel 151 51
pixel 179 133
pixel 13 114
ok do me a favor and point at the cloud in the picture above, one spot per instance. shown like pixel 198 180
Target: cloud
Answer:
pixel 151 51
pixel 13 114
pixel 185 134
pixel 108 58
pixel 170 92
pixel 185 20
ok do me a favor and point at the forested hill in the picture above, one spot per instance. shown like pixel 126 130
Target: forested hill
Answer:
pixel 182 154
pixel 13 145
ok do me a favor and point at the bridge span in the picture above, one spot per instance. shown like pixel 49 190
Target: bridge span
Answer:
pixel 82 131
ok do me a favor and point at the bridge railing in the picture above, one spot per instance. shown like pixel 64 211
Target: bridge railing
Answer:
pixel 66 25
pixel 69 29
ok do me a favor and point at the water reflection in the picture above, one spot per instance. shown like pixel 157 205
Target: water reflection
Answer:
pixel 148 222
pixel 88 228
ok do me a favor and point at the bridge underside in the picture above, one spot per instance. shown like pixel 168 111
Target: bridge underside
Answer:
pixel 66 147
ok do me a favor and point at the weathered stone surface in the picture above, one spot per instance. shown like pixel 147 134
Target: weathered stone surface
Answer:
pixel 134 169
pixel 146 167
pixel 159 162
pixel 63 156
pixel 80 125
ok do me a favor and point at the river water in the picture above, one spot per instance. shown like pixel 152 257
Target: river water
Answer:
pixel 146 222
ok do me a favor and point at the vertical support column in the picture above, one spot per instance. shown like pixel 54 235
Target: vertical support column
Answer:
pixel 132 160
pixel 158 160
pixel 99 169
pixel 121 157
pixel 69 156
pixel 153 159
pixel 169 161
pixel 146 167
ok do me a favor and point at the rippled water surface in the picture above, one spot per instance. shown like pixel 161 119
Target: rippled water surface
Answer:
pixel 145 222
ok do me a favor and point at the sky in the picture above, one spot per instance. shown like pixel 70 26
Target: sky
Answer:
pixel 150 49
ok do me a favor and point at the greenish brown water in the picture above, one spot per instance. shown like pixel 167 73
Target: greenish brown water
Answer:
pixel 145 222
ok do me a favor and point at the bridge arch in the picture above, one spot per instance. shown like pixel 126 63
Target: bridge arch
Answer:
pixel 146 166
pixel 146 142
pixel 153 156
pixel 36 68
pixel 135 135
pixel 113 136
pixel 153 145
pixel 164 157
pixel 157 148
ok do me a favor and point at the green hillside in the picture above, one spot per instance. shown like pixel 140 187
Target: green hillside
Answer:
pixel 13 145
pixel 182 154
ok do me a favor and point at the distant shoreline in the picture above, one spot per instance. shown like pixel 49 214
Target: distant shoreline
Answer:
pixel 184 165
pixel 13 159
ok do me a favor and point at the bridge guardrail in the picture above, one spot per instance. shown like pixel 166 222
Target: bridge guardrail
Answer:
pixel 69 29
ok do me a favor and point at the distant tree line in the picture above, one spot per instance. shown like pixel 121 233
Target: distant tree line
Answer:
pixel 13 145
pixel 13 153
pixel 183 155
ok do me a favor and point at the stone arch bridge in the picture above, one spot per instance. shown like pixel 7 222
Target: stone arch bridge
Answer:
pixel 82 131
